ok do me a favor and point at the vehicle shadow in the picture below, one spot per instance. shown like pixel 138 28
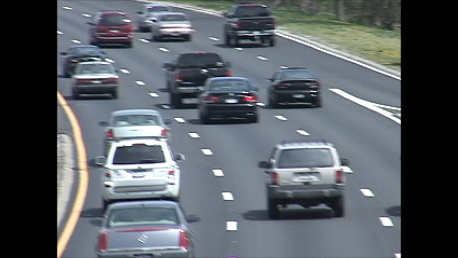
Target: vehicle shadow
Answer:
pixel 394 211
pixel 291 214
pixel 95 214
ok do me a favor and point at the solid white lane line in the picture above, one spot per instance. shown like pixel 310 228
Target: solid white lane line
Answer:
pixel 302 132
pixel 164 49
pixel 194 135
pixel 109 60
pixel 366 104
pixel 231 225
pixel 227 196
pixel 386 221
pixel 367 192
pixel 125 71
pixel 179 120
pixel 207 152
pixel 218 172
pixel 280 117
pixel 153 94
pixel 140 83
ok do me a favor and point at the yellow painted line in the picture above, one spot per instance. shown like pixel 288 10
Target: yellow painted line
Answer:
pixel 83 179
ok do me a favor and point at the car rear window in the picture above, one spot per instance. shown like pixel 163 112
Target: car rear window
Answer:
pixel 135 120
pixel 230 85
pixel 143 216
pixel 200 59
pixel 251 11
pixel 296 74
pixel 138 154
pixel 94 69
pixel 114 19
pixel 305 157
pixel 159 9
pixel 174 17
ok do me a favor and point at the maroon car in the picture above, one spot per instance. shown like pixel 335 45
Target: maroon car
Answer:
pixel 111 27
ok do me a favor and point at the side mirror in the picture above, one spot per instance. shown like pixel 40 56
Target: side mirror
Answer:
pixel 103 123
pixel 265 164
pixel 192 218
pixel 179 157
pixel 139 12
pixel 344 162
pixel 100 160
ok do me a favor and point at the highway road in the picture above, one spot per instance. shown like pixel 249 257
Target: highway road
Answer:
pixel 222 157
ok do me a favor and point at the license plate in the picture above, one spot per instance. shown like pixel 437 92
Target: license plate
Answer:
pixel 137 174
pixel 96 81
pixel 306 177
pixel 231 101
pixel 116 31
pixel 256 32
pixel 298 96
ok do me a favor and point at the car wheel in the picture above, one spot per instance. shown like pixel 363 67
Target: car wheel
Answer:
pixel 227 40
pixel 254 118
pixel 273 103
pixel 204 118
pixel 273 209
pixel 175 100
pixel 115 94
pixel 75 94
pixel 129 44
pixel 318 102
pixel 272 42
pixel 187 37
pixel 338 206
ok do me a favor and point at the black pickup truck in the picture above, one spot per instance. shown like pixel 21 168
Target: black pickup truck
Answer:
pixel 187 73
pixel 249 21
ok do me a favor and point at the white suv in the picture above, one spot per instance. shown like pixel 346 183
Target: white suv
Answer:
pixel 140 169
pixel 306 173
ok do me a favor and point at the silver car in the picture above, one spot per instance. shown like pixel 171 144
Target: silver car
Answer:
pixel 135 123
pixel 171 25
pixel 146 229
pixel 149 11
pixel 97 77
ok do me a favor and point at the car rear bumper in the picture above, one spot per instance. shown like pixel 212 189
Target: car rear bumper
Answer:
pixel 111 193
pixel 114 39
pixel 95 88
pixel 178 253
pixel 175 32
pixel 296 96
pixel 240 110
pixel 298 192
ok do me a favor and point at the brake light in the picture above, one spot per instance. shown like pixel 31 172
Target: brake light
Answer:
pixel 103 242
pixel 179 76
pixel 283 84
pixel 82 81
pixel 211 99
pixel 164 133
pixel 110 134
pixel 171 177
pixel 314 85
pixel 250 98
pixel 340 177
pixel 184 241
pixel 228 73
pixel 110 80
pixel 274 180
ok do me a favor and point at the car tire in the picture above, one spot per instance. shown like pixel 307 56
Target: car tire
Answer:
pixel 318 102
pixel 338 205
pixel 254 118
pixel 273 103
pixel 227 40
pixel 175 100
pixel 115 94
pixel 130 44
pixel 272 41
pixel 187 37
pixel 75 94
pixel 204 118
pixel 272 208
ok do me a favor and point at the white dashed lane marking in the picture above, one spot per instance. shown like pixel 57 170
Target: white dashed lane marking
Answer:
pixel 86 15
pixel 227 196
pixel 125 71
pixel 280 117
pixel 75 41
pixel 67 8
pixel 386 221
pixel 153 94
pixel 59 32
pixel 231 225
pixel 140 83
pixel 302 132
pixel 179 120
pixel 144 40
pixel 194 135
pixel 109 60
pixel 262 58
pixel 218 172
pixel 164 49
pixel 238 48
pixel 207 152
pixel 367 192
pixel 214 39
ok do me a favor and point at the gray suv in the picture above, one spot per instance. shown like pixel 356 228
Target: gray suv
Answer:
pixel 307 173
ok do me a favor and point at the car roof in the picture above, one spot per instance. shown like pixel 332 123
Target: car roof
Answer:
pixel 153 5
pixel 304 144
pixel 225 78
pixel 135 112
pixel 138 204
pixel 112 12
pixel 94 62
pixel 170 13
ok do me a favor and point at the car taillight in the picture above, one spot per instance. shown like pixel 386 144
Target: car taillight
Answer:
pixel 250 98
pixel 274 178
pixel 236 25
pixel 82 81
pixel 110 134
pixel 171 177
pixel 73 61
pixel 314 85
pixel 103 242
pixel 107 174
pixel 340 177
pixel 274 23
pixel 228 73
pixel 110 80
pixel 164 133
pixel 184 241
pixel 283 84
pixel 212 99
pixel 179 76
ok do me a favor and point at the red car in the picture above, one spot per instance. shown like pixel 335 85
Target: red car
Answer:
pixel 111 27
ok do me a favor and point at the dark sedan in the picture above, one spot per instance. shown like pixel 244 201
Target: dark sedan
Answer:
pixel 146 229
pixel 228 97
pixel 80 53
pixel 294 85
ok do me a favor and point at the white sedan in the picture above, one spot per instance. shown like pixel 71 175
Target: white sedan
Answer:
pixel 135 123
pixel 171 25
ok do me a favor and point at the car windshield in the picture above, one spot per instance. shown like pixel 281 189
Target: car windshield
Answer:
pixel 143 216
pixel 173 17
pixel 138 154
pixel 305 157
pixel 135 120
pixel 200 60
pixel 296 74
pixel 230 85
pixel 95 69
pixel 114 19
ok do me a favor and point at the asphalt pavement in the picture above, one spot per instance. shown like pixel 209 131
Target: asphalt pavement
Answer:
pixel 220 178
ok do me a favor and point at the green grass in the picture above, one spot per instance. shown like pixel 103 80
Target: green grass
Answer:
pixel 376 44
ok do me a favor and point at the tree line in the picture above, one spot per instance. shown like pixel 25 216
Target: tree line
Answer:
pixel 383 13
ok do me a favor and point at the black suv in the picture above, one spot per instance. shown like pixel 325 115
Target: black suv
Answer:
pixel 187 73
pixel 294 85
